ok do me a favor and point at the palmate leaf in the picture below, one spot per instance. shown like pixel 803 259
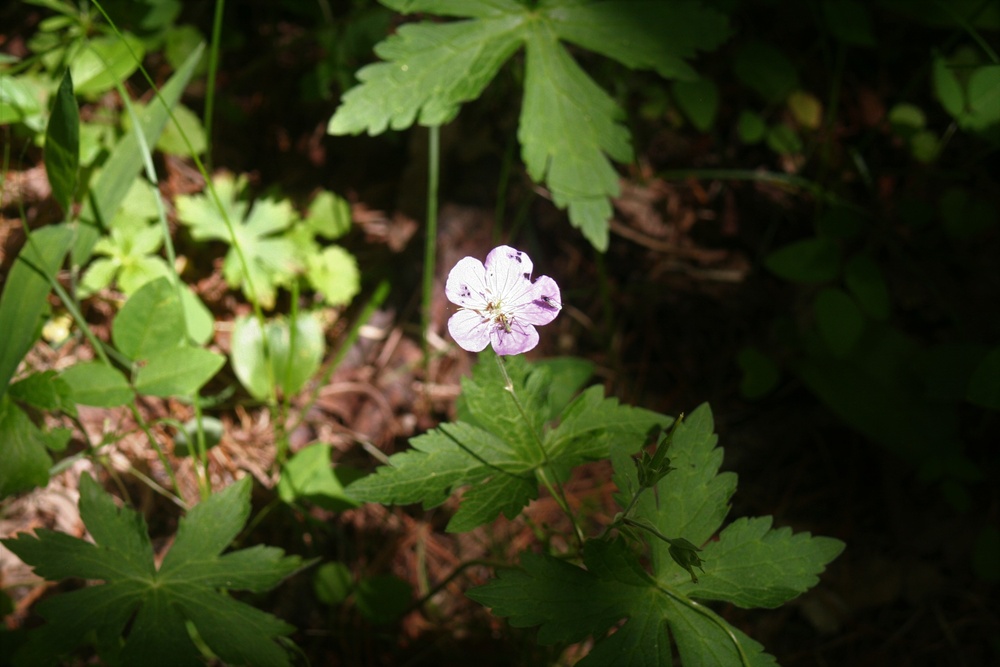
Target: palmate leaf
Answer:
pixel 569 127
pixel 497 451
pixel 750 565
pixel 258 230
pixel 140 614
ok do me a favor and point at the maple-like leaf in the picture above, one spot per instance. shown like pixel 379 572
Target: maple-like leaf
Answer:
pixel 569 126
pixel 258 231
pixel 749 565
pixel 497 451
pixel 141 614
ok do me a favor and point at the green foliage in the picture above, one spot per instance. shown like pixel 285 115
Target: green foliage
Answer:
pixel 500 453
pixel 62 144
pixel 310 476
pixel 813 260
pixel 699 100
pixel 119 172
pixel 280 364
pixel 569 127
pixel 129 252
pixel 750 565
pixel 98 384
pixel 760 374
pixel 25 461
pixel 23 300
pixel 275 244
pixel 144 614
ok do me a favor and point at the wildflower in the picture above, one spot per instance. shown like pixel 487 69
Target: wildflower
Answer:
pixel 499 302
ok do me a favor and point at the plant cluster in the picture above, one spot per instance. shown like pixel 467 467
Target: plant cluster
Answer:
pixel 643 586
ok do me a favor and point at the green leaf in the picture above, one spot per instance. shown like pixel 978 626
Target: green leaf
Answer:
pixel 569 127
pixel 329 215
pixel 122 166
pixel 130 249
pixel 105 62
pixel 334 273
pixel 332 583
pixel 699 100
pixel 150 322
pixel 751 127
pixel 749 565
pixel 95 383
pixel 44 390
pixel 639 34
pixel 186 439
pixel 839 320
pixel 199 319
pixel 566 131
pixel 569 603
pixel 783 140
pixel 179 371
pixel 24 294
pixel 696 493
pixel 262 375
pixel 809 261
pixel 184 124
pixel 497 452
pixel 984 98
pixel 22 448
pixel 185 588
pixel 270 254
pixel 764 68
pixel 18 99
pixel 433 68
pixel 760 375
pixel 948 88
pixel 62 145
pixel 753 565
pixel 864 279
pixel 309 475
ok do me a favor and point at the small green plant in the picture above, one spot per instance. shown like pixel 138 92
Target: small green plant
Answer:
pixel 177 613
pixel 275 244
pixel 520 428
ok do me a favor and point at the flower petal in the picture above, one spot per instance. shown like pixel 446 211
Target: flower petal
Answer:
pixel 470 330
pixel 508 273
pixel 466 284
pixel 521 338
pixel 541 304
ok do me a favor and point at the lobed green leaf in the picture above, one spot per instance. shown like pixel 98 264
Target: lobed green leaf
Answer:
pixel 164 602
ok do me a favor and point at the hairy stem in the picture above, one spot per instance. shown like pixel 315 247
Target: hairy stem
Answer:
pixel 554 487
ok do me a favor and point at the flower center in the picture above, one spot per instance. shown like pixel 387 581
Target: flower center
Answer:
pixel 498 315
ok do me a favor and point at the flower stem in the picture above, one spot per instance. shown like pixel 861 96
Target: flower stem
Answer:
pixel 430 241
pixel 554 487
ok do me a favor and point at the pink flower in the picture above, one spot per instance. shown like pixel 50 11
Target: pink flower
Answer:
pixel 499 302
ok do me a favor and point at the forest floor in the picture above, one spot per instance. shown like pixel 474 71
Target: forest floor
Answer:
pixel 685 292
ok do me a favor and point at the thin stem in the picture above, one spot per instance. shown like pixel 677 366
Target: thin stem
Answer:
pixel 557 490
pixel 430 240
pixel 213 68
pixel 459 569
pixel 157 448
pixel 204 486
